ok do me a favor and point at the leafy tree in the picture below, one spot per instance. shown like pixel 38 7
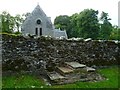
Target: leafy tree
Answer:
pixel 106 26
pixel 18 21
pixel 84 24
pixel 62 22
pixel 88 24
pixel 73 27
pixel 118 34
pixel 25 15
pixel 9 22
pixel 115 34
pixel 0 23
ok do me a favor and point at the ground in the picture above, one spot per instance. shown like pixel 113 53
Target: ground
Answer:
pixel 28 81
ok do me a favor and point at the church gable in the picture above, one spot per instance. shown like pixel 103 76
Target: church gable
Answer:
pixel 37 23
pixel 38 13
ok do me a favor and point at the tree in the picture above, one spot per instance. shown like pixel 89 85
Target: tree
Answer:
pixel 7 20
pixel 62 22
pixel 0 23
pixel 115 33
pixel 106 26
pixel 18 21
pixel 88 24
pixel 73 27
pixel 25 15
pixel 84 24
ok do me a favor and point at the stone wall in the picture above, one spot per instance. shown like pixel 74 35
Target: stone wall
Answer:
pixel 29 54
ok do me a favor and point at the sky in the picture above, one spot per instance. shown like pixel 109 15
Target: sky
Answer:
pixel 54 8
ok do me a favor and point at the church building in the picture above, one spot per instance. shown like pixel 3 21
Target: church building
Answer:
pixel 37 23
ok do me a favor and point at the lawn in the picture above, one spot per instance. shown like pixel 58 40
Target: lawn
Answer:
pixel 29 81
pixel 22 81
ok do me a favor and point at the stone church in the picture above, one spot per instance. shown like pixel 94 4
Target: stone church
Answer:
pixel 37 23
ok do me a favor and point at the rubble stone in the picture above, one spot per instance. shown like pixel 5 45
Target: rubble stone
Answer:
pixel 20 53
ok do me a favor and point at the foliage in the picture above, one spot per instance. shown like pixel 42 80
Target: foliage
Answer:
pixel 27 81
pixel 115 33
pixel 73 28
pixel 17 33
pixel 9 23
pixel 86 25
pixel 106 27
pixel 62 22
pixel 18 21
pixel 25 15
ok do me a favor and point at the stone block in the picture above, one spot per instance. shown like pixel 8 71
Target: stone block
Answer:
pixel 55 76
pixel 89 69
pixel 75 65
pixel 64 70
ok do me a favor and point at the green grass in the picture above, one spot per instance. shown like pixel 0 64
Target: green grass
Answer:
pixel 26 81
pixel 11 34
pixel 22 81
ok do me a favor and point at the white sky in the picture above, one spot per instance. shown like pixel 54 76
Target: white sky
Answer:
pixel 54 8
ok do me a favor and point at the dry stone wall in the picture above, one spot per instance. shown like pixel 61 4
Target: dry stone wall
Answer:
pixel 40 54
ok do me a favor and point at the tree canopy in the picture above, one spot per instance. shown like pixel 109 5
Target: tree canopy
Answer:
pixel 86 24
pixel 106 26
pixel 9 23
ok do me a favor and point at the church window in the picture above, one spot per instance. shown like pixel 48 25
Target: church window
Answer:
pixel 38 22
pixel 40 31
pixel 36 31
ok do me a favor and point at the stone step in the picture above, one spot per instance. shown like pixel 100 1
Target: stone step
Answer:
pixel 64 70
pixel 75 65
pixel 55 76
pixel 89 69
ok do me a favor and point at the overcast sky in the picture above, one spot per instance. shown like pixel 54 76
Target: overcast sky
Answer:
pixel 54 8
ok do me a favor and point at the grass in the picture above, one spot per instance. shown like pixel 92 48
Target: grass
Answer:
pixel 11 34
pixel 22 81
pixel 28 81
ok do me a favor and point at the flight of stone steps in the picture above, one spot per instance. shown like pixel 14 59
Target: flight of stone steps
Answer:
pixel 69 73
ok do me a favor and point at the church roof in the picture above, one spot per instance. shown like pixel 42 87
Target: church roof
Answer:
pixel 38 9
pixel 37 12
